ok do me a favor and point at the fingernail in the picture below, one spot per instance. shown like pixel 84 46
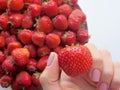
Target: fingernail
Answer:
pixel 95 75
pixel 103 86
pixel 50 59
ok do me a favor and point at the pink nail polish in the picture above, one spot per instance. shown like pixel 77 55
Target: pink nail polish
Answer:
pixel 95 75
pixel 103 86
pixel 50 59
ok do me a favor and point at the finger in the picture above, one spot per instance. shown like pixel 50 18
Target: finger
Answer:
pixel 107 73
pixel 50 77
pixel 97 66
pixel 115 84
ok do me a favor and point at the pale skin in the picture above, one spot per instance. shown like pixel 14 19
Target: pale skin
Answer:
pixel 103 75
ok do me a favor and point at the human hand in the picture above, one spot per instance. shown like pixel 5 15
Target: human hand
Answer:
pixel 103 75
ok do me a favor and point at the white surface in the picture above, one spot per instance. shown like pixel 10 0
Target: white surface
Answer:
pixel 103 20
pixel 103 17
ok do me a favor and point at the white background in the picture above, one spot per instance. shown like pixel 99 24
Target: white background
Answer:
pixel 103 17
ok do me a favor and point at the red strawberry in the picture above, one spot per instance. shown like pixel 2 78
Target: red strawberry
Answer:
pixel 23 79
pixel 60 22
pixel 2 57
pixel 58 32
pixel 15 86
pixel 68 38
pixel 50 8
pixel 1 71
pixel 52 40
pixel 13 45
pixel 25 36
pixel 65 9
pixel 32 87
pixel 15 20
pixel 35 79
pixel 59 2
pixel 5 34
pixel 71 2
pixel 16 5
pixel 2 41
pixel 9 65
pixel 5 81
pixel 76 18
pixel 32 65
pixel 43 51
pixel 28 1
pixel 75 60
pixel 83 36
pixel 45 24
pixel 42 62
pixel 3 4
pixel 35 9
pixel 32 50
pixel 11 38
pixel 57 49
pixel 21 56
pixel 39 2
pixel 38 38
pixel 4 22
pixel 27 21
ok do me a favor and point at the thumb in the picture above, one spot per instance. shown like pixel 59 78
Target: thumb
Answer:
pixel 50 77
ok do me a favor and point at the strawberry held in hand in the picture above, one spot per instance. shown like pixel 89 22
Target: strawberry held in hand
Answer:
pixel 75 60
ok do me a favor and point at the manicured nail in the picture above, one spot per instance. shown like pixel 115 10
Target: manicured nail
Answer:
pixel 103 86
pixel 95 75
pixel 50 59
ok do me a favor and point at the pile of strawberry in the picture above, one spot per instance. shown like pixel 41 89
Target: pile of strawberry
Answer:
pixel 29 31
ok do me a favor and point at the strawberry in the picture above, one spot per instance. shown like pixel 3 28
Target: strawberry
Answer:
pixel 32 87
pixel 5 34
pixel 15 20
pixel 58 32
pixel 21 56
pixel 75 60
pixel 71 2
pixel 32 65
pixel 23 79
pixel 11 38
pixel 39 2
pixel 16 5
pixel 5 81
pixel 3 4
pixel 83 36
pixel 50 8
pixel 68 38
pixel 9 65
pixel 28 1
pixel 42 62
pixel 60 22
pixel 25 36
pixel 38 38
pixel 59 2
pixel 4 22
pixel 57 49
pixel 32 49
pixel 44 25
pixel 2 57
pixel 35 9
pixel 52 40
pixel 15 86
pixel 13 45
pixel 43 51
pixel 35 79
pixel 76 18
pixel 2 42
pixel 27 21
pixel 65 9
